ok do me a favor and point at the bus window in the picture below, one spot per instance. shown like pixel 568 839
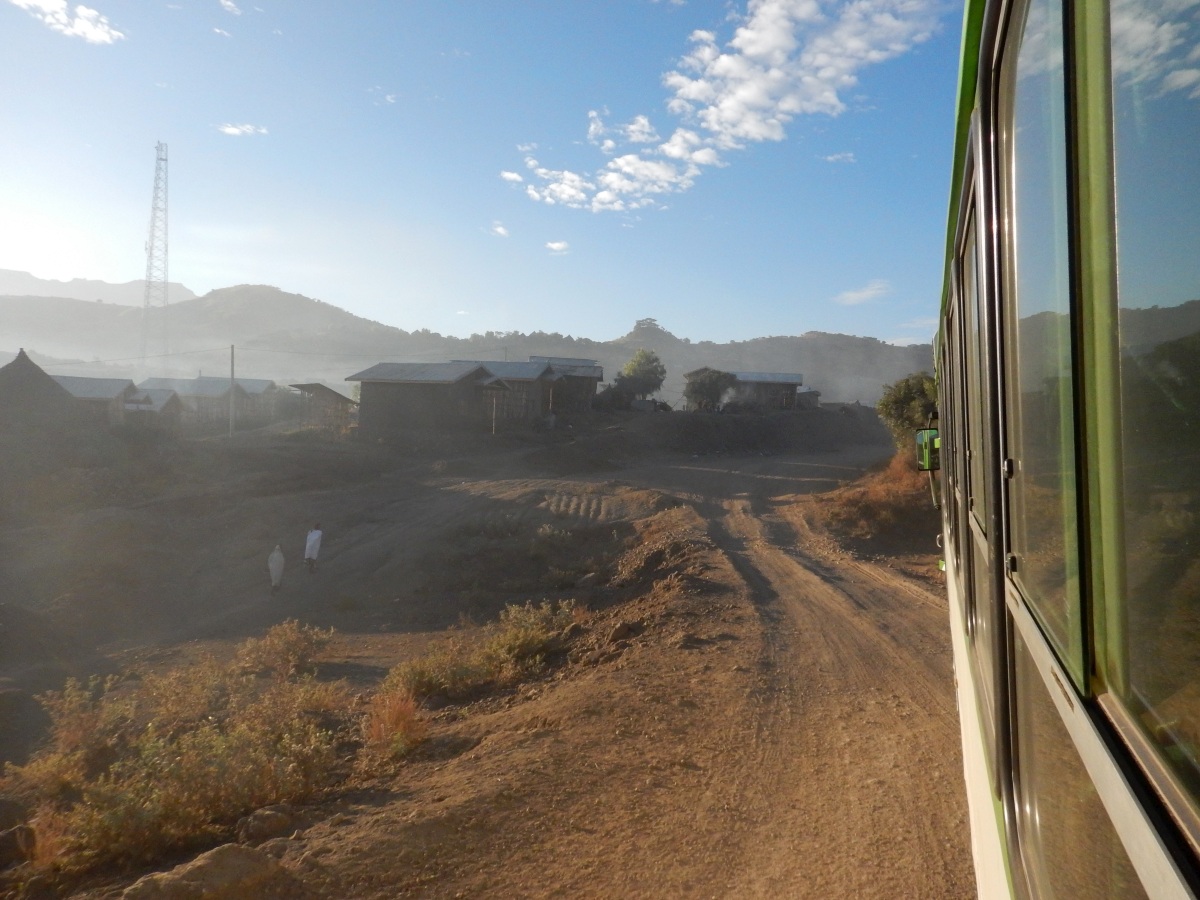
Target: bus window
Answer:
pixel 977 451
pixel 1156 107
pixel 1044 537
pixel 1069 848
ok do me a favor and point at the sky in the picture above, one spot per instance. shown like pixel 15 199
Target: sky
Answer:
pixel 731 169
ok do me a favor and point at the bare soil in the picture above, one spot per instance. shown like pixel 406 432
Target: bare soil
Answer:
pixel 778 720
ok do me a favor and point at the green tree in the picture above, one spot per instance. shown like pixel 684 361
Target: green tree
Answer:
pixel 907 405
pixel 706 389
pixel 642 375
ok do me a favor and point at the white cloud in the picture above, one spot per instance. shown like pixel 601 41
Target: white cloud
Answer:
pixel 840 158
pixel 81 22
pixel 462 312
pixel 558 247
pixel 230 7
pixel 873 290
pixel 222 32
pixel 239 130
pixel 512 177
pixel 640 131
pixel 787 58
pixel 499 230
pixel 1156 41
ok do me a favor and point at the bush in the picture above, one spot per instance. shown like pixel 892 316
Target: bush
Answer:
pixel 508 650
pixel 285 649
pixel 391 726
pixel 136 769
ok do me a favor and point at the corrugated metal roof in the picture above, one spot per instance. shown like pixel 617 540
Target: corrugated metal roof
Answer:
pixel 94 388
pixel 249 385
pixel 768 378
pixel 419 373
pixel 514 371
pixel 206 386
pixel 153 399
pixel 754 377
pixel 324 390
pixel 565 361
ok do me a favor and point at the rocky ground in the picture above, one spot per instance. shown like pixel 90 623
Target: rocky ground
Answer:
pixel 752 708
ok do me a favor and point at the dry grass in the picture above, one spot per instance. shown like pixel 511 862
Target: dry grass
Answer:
pixel 462 666
pixel 392 725
pixel 139 768
pixel 883 503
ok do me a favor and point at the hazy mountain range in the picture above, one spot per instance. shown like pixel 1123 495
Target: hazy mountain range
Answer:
pixel 291 338
pixel 131 293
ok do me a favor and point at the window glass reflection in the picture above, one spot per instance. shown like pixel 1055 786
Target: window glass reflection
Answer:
pixel 1043 535
pixel 1156 100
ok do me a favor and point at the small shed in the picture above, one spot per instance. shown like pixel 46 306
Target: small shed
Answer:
pixel 325 408
pixel 395 396
pixel 101 401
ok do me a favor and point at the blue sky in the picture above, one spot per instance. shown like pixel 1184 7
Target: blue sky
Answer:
pixel 733 170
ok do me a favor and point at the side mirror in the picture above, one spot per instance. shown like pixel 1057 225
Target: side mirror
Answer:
pixel 929 450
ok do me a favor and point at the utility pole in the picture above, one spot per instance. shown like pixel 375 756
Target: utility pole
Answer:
pixel 232 385
pixel 156 253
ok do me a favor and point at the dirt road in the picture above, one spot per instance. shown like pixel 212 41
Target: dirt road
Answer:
pixel 779 720
pixel 783 727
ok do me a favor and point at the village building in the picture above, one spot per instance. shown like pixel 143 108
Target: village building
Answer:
pixel 325 408
pixel 155 409
pixel 766 390
pixel 31 398
pixel 577 384
pixel 399 395
pixel 396 396
pixel 100 401
pixel 530 389
pixel 206 399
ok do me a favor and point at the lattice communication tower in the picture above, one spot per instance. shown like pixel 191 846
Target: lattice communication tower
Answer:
pixel 156 253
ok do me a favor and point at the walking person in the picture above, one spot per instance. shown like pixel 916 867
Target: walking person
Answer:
pixel 275 566
pixel 312 546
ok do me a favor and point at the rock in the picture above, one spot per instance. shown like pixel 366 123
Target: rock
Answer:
pixel 687 641
pixel 625 629
pixel 264 824
pixel 229 872
pixel 277 847
pixel 16 845
pixel 572 631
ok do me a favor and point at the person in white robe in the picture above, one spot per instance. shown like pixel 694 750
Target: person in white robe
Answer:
pixel 275 566
pixel 312 546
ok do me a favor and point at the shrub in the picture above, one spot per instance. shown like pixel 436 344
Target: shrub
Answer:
pixel 391 726
pixel 506 651
pixel 137 769
pixel 284 650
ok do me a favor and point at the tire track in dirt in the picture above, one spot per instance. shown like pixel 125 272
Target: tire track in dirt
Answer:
pixel 856 725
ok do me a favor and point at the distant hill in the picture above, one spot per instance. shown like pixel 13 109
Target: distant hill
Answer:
pixel 292 338
pixel 131 293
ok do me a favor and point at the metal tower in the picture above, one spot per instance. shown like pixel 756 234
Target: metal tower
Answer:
pixel 156 252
